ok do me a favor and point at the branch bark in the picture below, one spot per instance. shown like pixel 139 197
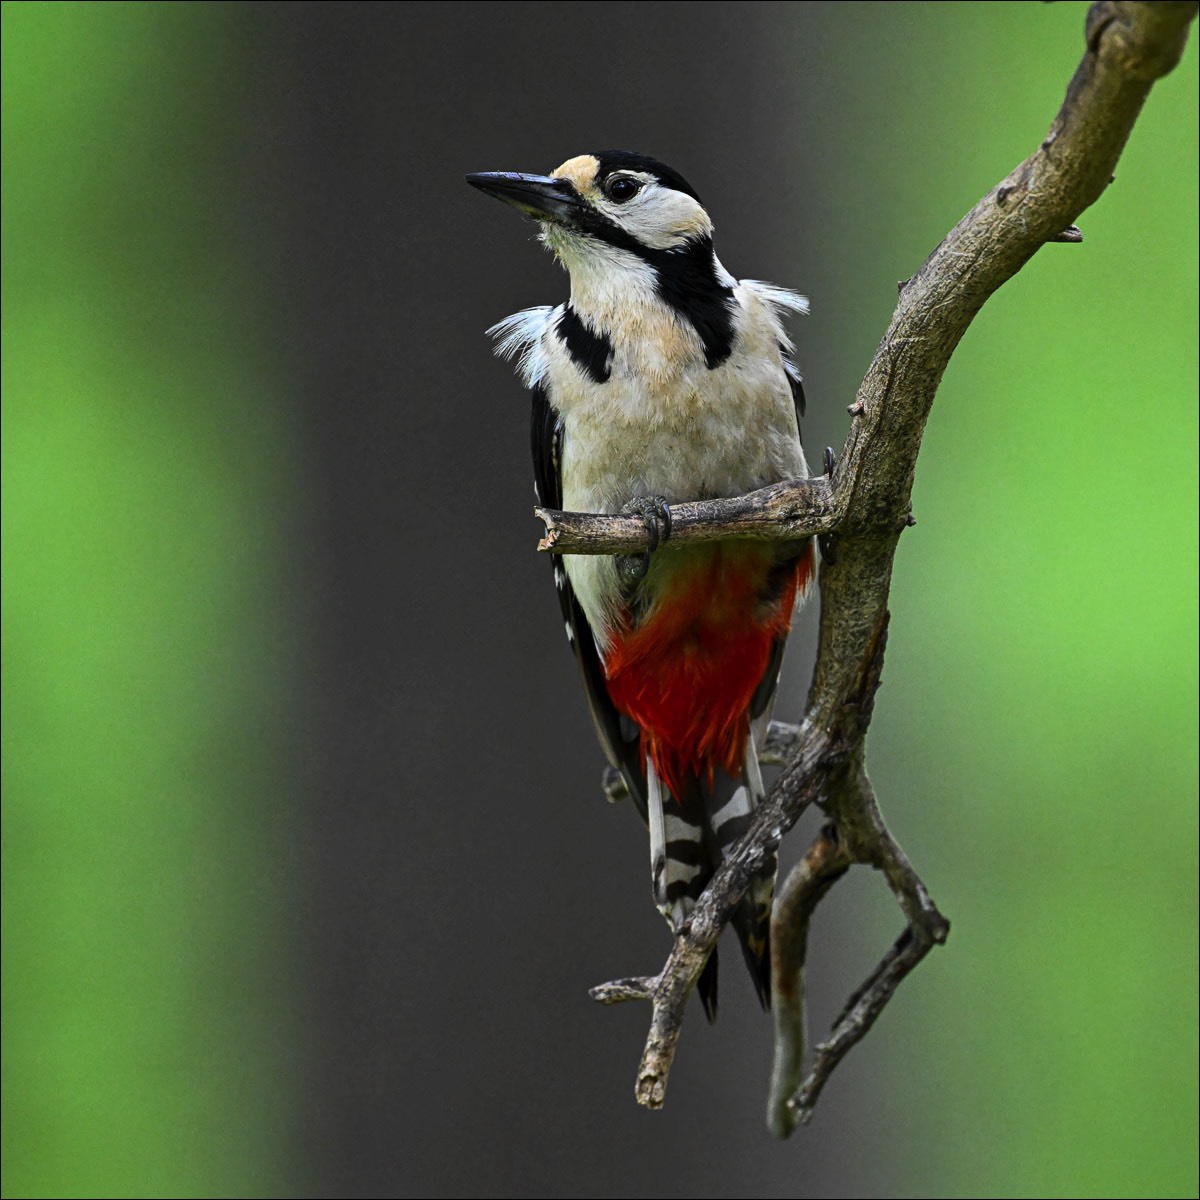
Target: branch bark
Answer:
pixel 795 509
pixel 864 503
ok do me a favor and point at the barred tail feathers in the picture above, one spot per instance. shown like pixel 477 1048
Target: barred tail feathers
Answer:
pixel 752 920
pixel 680 867
pixel 689 838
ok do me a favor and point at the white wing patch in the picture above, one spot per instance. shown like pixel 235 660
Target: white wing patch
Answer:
pixel 782 300
pixel 520 337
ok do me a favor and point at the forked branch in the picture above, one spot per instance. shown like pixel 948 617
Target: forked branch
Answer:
pixel 864 503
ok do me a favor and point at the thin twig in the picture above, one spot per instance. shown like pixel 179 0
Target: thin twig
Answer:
pixel 871 842
pixel 855 1022
pixel 857 834
pixel 826 861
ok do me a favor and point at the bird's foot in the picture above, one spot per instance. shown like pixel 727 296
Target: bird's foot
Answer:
pixel 827 542
pixel 656 515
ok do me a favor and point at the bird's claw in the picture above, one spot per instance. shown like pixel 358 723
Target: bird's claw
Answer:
pixel 656 516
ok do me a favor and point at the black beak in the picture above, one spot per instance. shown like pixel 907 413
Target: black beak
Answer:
pixel 537 196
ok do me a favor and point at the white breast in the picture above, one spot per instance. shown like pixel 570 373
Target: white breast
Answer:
pixel 663 423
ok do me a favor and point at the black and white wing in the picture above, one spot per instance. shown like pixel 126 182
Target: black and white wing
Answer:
pixel 618 737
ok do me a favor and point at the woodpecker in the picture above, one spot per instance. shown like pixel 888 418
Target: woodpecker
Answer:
pixel 661 380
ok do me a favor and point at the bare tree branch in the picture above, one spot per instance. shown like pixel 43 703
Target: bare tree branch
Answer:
pixel 865 504
pixel 857 834
pixel 794 509
pixel 854 1024
pixel 810 879
pixel 669 990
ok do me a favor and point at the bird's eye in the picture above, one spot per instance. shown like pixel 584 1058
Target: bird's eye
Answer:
pixel 622 188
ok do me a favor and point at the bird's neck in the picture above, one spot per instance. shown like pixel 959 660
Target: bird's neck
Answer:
pixel 612 290
pixel 682 296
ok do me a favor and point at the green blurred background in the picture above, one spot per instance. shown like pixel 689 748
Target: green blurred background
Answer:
pixel 288 767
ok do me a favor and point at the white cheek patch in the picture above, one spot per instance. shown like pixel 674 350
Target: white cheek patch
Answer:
pixel 659 217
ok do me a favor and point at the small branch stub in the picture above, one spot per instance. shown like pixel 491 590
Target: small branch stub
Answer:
pixel 621 990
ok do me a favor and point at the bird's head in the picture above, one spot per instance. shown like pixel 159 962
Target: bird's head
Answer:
pixel 596 203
